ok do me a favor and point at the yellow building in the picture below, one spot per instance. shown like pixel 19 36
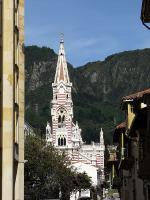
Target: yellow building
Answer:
pixel 133 147
pixel 11 99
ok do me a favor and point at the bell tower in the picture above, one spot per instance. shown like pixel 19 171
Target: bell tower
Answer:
pixel 63 133
pixel 62 105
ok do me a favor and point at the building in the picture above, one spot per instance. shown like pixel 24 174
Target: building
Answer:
pixel 64 134
pixel 145 12
pixel 92 173
pixel 111 172
pixel 11 100
pixel 133 140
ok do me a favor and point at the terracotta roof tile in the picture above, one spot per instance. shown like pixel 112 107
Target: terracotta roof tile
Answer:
pixel 137 95
pixel 121 126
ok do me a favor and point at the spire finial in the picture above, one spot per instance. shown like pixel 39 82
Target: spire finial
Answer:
pixel 61 37
pixel 101 137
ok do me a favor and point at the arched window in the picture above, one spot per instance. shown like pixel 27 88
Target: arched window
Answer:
pixel 59 122
pixel 63 118
pixel 62 142
pixel 59 142
pixel 59 119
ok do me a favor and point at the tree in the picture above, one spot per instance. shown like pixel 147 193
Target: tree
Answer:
pixel 82 181
pixel 48 172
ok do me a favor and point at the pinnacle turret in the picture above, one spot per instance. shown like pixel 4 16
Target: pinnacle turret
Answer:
pixel 101 137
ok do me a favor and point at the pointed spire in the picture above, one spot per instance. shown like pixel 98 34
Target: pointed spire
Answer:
pixel 61 69
pixel 101 133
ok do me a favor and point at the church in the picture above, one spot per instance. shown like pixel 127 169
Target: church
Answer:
pixel 65 134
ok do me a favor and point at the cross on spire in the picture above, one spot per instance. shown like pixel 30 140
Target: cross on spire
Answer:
pixel 61 37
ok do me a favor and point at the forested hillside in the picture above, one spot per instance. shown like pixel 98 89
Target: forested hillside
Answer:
pixel 97 88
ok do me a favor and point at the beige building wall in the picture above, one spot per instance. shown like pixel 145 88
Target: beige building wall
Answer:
pixel 12 100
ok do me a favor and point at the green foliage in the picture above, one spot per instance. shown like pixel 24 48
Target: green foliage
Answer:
pixel 81 181
pixel 47 172
pixel 37 55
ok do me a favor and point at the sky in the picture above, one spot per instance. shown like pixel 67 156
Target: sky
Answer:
pixel 93 29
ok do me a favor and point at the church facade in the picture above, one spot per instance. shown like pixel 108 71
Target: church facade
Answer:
pixel 63 133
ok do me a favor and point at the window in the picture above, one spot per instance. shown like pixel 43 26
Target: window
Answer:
pixel 64 141
pixel 16 74
pixel 16 5
pixel 61 141
pixel 16 18
pixel 58 141
pixel 61 118
pixel 16 104
pixel 16 121
pixel 16 45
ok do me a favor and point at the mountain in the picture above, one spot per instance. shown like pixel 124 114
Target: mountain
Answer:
pixel 97 88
